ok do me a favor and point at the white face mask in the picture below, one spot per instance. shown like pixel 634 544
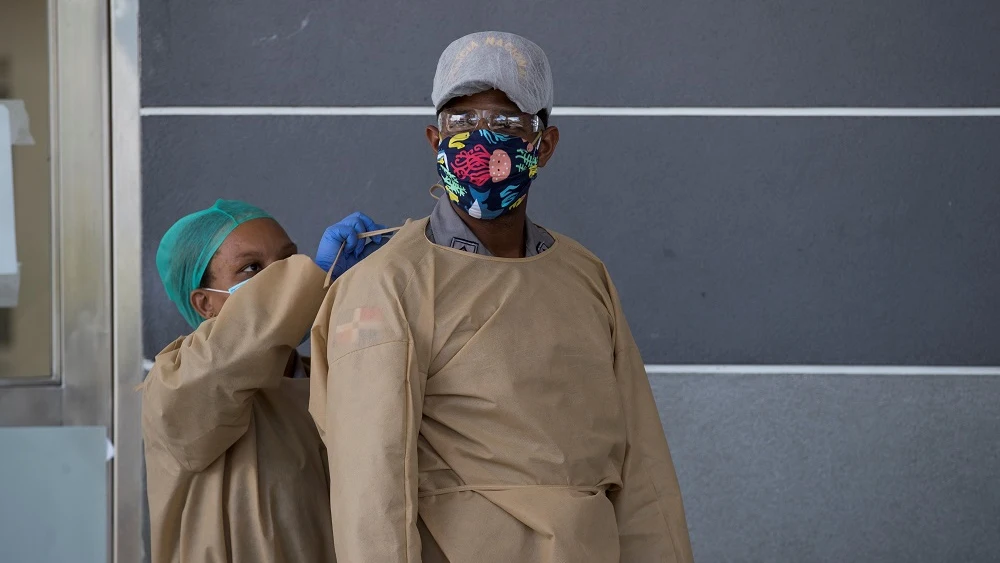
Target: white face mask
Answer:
pixel 229 291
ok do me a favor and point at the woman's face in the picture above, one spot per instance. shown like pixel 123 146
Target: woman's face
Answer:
pixel 247 250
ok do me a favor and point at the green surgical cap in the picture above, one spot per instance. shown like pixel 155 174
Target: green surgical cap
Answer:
pixel 188 247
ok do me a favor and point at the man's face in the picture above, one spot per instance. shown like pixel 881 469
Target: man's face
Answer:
pixel 497 101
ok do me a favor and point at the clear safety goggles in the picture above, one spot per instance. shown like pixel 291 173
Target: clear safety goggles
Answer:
pixel 516 124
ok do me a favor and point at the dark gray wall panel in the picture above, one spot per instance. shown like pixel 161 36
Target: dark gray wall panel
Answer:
pixel 835 468
pixel 768 241
pixel 307 172
pixel 690 52
pixel 771 241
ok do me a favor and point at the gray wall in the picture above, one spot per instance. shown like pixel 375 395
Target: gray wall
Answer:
pixel 802 468
pixel 735 240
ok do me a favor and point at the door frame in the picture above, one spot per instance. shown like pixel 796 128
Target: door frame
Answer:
pixel 130 514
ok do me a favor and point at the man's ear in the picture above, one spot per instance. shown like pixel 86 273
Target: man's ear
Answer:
pixel 547 146
pixel 202 303
pixel 433 137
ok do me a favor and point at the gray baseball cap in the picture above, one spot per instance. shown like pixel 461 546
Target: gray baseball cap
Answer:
pixel 494 59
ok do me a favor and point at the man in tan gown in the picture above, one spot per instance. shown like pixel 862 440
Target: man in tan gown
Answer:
pixel 475 381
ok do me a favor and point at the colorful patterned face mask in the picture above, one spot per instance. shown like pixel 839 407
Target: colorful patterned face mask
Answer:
pixel 487 174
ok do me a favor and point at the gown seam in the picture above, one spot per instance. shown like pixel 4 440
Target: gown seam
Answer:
pixel 369 347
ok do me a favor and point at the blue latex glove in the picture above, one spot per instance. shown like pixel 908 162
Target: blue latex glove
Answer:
pixel 355 248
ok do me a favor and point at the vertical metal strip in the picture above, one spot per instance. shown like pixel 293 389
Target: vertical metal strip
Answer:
pixel 81 175
pixel 129 545
pixel 80 164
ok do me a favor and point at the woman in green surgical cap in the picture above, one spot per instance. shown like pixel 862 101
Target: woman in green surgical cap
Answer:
pixel 235 467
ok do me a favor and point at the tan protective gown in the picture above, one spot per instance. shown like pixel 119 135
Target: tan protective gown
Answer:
pixel 236 469
pixel 480 409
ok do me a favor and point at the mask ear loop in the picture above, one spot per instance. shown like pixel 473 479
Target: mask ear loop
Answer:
pixel 538 139
pixel 437 187
pixel 223 291
pixel 369 234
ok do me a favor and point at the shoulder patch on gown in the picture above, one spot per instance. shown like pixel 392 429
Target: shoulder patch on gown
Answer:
pixel 365 327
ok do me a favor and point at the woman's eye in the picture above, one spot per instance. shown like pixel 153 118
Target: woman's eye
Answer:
pixel 251 269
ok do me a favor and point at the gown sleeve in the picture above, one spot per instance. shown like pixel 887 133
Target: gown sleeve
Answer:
pixel 367 399
pixel 648 507
pixel 197 398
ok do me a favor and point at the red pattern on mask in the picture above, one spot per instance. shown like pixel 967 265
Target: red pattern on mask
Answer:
pixel 472 165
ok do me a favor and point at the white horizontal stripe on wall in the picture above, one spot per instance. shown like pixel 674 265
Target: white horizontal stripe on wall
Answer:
pixel 696 369
pixel 579 111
